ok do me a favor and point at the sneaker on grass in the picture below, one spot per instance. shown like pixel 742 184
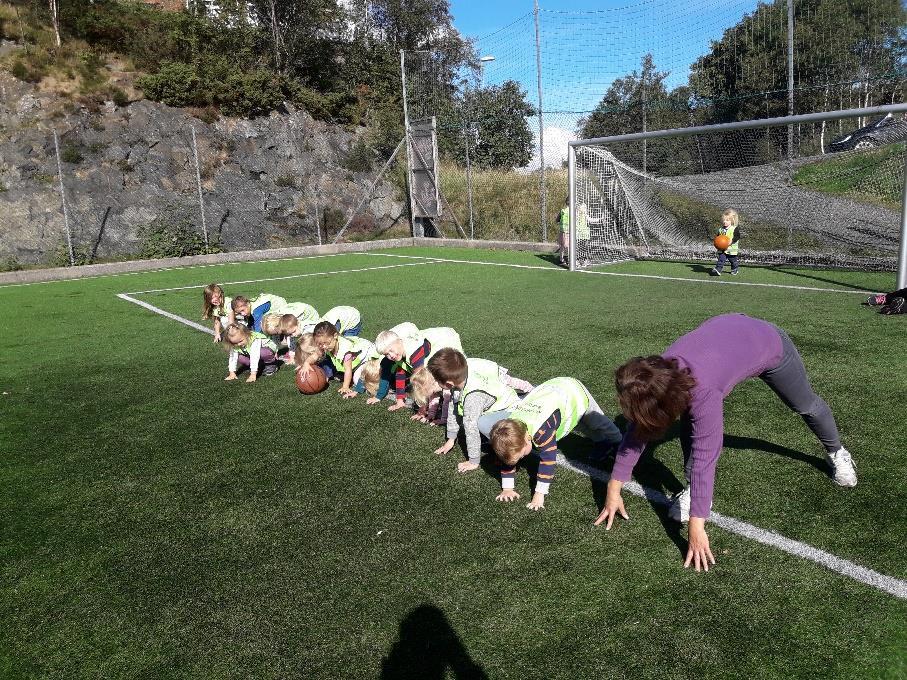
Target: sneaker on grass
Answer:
pixel 680 507
pixel 270 369
pixel 843 471
pixel 734 272
pixel 714 272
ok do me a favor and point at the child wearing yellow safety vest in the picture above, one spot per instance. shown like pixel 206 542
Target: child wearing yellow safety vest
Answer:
pixel 250 349
pixel 481 388
pixel 409 348
pixel 217 305
pixel 250 312
pixel 547 414
pixel 729 227
pixel 583 233
pixel 348 355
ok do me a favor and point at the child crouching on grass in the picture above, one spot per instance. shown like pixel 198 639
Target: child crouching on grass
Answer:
pixel 547 414
pixel 481 388
pixel 345 319
pixel 431 398
pixel 250 312
pixel 375 380
pixel 730 228
pixel 218 306
pixel 348 355
pixel 250 349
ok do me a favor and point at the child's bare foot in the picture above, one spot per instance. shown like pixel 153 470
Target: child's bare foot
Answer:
pixel 232 376
pixel 467 466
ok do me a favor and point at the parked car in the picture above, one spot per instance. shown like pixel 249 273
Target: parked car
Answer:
pixel 885 130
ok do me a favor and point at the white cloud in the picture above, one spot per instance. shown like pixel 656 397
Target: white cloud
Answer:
pixel 555 149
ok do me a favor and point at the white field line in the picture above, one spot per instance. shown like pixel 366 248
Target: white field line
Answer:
pixel 839 565
pixel 170 269
pixel 158 310
pixel 634 276
pixel 423 261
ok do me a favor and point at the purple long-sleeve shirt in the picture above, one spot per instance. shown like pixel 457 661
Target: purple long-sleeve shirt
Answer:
pixel 724 351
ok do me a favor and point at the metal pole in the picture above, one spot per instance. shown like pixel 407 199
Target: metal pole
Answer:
pixel 469 183
pixel 72 257
pixel 745 124
pixel 571 178
pixel 902 251
pixel 790 76
pixel 645 126
pixel 198 181
pixel 543 189
pixel 409 185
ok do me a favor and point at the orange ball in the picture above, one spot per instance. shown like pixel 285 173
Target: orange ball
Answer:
pixel 722 241
pixel 316 381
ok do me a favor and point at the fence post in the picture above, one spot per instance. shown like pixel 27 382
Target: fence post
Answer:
pixel 790 76
pixel 571 191
pixel 70 252
pixel 198 181
pixel 902 249
pixel 543 189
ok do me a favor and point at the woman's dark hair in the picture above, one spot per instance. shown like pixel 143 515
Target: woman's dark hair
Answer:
pixel 653 392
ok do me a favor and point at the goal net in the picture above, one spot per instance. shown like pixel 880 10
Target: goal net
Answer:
pixel 823 193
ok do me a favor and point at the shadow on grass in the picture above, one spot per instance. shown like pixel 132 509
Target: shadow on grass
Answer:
pixel 813 277
pixel 700 268
pixel 427 648
pixel 550 258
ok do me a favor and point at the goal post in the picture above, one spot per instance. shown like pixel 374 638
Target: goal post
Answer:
pixel 834 198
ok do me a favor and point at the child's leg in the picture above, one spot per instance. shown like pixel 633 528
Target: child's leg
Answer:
pixel 722 258
pixel 790 382
pixel 597 426
pixel 735 262
pixel 353 332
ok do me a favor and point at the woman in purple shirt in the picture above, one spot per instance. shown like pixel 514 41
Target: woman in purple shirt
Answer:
pixel 690 381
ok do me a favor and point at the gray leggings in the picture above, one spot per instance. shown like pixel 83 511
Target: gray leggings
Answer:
pixel 789 381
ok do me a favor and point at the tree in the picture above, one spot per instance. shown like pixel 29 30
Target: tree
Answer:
pixel 493 122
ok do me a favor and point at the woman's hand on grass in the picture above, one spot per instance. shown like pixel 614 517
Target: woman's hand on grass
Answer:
pixel 699 554
pixel 614 505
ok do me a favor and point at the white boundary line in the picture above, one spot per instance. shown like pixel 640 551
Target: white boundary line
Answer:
pixel 635 276
pixel 291 276
pixel 839 565
pixel 179 267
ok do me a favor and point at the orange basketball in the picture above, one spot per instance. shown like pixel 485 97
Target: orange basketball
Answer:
pixel 313 383
pixel 722 241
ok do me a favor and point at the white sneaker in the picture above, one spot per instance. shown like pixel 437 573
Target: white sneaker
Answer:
pixel 680 508
pixel 843 470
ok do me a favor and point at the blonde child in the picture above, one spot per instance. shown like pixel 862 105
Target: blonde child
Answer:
pixel 431 398
pixel 250 312
pixel 563 219
pixel 548 413
pixel 729 227
pixel 249 349
pixel 345 319
pixel 217 305
pixel 375 380
pixel 409 348
pixel 347 355
pixel 283 328
pixel 481 388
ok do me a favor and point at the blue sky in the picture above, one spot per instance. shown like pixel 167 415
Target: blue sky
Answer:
pixel 586 44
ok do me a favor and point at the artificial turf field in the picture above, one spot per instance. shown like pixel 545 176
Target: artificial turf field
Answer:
pixel 159 522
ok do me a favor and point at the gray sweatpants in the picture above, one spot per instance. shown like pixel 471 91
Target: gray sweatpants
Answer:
pixel 594 424
pixel 789 381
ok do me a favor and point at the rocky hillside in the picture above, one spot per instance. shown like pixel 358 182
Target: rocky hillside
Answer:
pixel 125 168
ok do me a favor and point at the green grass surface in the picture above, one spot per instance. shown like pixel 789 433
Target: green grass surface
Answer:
pixel 158 522
pixel 875 176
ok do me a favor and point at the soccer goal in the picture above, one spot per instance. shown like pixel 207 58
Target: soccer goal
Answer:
pixel 822 189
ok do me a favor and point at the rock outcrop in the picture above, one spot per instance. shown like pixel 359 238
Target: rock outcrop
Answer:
pixel 263 180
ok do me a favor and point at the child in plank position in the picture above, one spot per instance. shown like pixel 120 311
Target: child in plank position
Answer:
pixel 300 315
pixel 547 414
pixel 250 349
pixel 375 379
pixel 484 389
pixel 432 399
pixel 347 354
pixel 410 348
pixel 730 228
pixel 345 319
pixel 250 312
pixel 217 305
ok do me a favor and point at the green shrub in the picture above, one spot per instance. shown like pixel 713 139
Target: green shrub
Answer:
pixel 171 235
pixel 91 71
pixel 359 158
pixel 174 84
pixel 32 71
pixel 118 96
pixel 10 264
pixel 72 153
pixel 60 256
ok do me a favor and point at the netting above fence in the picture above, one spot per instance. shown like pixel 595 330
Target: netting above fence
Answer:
pixel 836 209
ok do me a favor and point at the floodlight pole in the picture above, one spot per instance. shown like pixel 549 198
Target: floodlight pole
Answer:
pixel 571 178
pixel 790 77
pixel 902 250
pixel 409 153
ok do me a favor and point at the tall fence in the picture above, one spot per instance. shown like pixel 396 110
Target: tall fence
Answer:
pixel 552 76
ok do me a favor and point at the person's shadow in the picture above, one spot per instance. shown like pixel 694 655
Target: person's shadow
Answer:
pixel 427 648
pixel 700 268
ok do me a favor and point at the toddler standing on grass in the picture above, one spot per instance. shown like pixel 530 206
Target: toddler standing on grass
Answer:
pixel 730 228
